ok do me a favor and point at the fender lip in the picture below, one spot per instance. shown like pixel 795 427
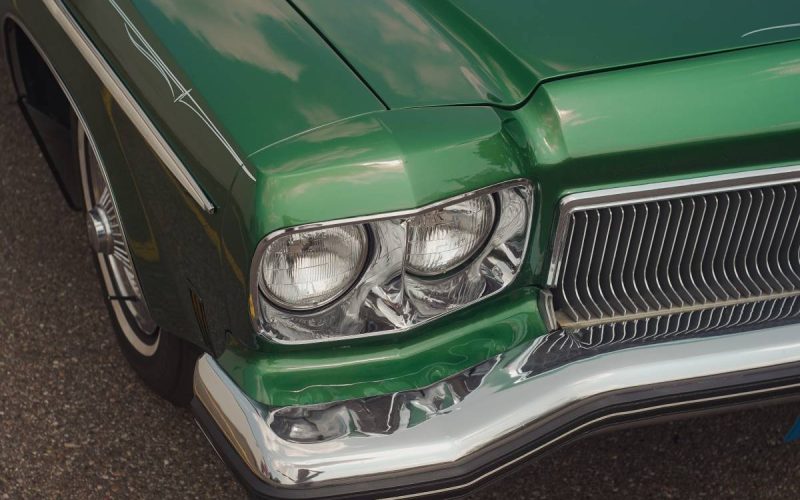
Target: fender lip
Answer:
pixel 677 377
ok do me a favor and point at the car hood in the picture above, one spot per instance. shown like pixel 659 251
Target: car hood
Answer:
pixel 426 53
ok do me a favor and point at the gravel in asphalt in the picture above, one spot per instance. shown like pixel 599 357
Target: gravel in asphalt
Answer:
pixel 75 421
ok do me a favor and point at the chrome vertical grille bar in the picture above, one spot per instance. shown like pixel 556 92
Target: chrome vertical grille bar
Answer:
pixel 696 256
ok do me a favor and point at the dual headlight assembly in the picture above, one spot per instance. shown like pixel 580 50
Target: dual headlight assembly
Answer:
pixel 390 272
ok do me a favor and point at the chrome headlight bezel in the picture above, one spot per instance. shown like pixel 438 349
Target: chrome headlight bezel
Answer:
pixel 386 291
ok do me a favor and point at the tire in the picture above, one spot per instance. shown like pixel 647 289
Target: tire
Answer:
pixel 165 362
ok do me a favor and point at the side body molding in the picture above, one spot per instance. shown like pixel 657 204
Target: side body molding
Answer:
pixel 128 104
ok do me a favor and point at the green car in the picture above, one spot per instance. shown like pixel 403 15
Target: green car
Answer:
pixel 398 248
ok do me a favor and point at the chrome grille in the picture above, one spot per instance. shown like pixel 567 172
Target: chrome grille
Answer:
pixel 570 345
pixel 675 249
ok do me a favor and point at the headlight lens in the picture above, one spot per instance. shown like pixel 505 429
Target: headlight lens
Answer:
pixel 441 240
pixel 302 271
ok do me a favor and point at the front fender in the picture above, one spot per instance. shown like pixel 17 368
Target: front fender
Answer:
pixel 376 163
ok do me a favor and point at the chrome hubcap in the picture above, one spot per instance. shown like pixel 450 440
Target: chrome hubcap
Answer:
pixel 99 230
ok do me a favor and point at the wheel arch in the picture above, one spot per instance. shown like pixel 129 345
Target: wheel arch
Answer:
pixel 45 107
pixel 162 254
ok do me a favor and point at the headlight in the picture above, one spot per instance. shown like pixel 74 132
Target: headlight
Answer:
pixel 302 271
pixel 443 239
pixel 390 272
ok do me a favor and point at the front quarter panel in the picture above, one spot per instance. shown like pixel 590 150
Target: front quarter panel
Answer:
pixel 377 163
pixel 213 104
pixel 174 243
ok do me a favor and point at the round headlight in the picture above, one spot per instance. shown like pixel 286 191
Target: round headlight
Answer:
pixel 443 239
pixel 307 270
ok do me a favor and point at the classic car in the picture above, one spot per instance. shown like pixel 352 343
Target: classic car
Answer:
pixel 399 248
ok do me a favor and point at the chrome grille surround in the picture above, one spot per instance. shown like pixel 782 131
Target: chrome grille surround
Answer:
pixel 626 258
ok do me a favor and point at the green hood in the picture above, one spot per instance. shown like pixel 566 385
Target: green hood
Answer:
pixel 263 73
pixel 425 53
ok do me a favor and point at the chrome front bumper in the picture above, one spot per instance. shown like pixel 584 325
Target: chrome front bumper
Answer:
pixel 455 434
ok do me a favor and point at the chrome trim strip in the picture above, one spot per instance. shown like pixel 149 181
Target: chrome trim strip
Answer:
pixel 517 397
pixel 547 310
pixel 179 93
pixel 262 245
pixel 128 103
pixel 658 191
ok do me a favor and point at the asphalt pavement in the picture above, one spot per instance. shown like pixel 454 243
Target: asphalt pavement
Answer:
pixel 75 421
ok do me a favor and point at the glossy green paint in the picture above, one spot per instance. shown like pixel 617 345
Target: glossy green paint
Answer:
pixel 202 152
pixel 175 245
pixel 686 118
pixel 264 72
pixel 720 113
pixel 391 160
pixel 424 53
pixel 375 163
pixel 180 246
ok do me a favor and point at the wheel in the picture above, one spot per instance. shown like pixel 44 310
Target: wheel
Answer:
pixel 164 361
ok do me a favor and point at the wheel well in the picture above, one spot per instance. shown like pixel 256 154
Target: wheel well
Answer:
pixel 46 108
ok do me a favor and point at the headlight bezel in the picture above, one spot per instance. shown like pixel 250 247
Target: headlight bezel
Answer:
pixel 370 223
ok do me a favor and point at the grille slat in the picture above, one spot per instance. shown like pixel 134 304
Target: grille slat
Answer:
pixel 626 234
pixel 722 265
pixel 692 262
pixel 607 273
pixel 776 242
pixel 661 234
pixel 597 268
pixel 748 263
pixel 757 244
pixel 782 228
pixel 713 253
pixel 790 263
pixel 593 231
